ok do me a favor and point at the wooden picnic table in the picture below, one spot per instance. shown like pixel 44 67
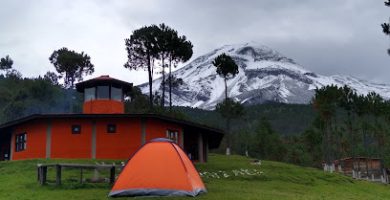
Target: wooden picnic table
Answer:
pixel 42 171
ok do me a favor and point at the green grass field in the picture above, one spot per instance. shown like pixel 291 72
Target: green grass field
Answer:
pixel 272 180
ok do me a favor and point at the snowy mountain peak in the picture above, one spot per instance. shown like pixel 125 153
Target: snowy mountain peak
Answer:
pixel 264 75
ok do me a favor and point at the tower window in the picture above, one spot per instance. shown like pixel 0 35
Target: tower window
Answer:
pixel 89 94
pixel 116 94
pixel 76 129
pixel 111 128
pixel 103 92
pixel 21 142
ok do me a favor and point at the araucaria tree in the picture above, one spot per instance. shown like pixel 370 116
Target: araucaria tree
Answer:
pixel 180 50
pixel 142 50
pixel 71 65
pixel 386 26
pixel 152 46
pixel 172 49
pixel 226 67
pixel 163 40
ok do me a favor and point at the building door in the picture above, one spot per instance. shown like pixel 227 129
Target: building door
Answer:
pixel 191 145
pixel 5 140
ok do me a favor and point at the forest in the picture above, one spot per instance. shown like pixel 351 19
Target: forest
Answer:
pixel 338 123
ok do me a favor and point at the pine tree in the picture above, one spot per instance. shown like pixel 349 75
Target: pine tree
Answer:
pixel 71 65
pixel 180 50
pixel 142 50
pixel 227 68
pixel 267 143
pixel 326 101
pixel 163 49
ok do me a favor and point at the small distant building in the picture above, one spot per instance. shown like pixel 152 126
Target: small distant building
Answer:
pixel 102 131
pixel 360 168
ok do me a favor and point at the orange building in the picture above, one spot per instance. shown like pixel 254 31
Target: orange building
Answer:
pixel 102 131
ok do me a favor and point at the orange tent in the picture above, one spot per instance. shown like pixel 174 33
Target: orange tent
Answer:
pixel 159 168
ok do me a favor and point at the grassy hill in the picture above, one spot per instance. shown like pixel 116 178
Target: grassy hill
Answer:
pixel 270 180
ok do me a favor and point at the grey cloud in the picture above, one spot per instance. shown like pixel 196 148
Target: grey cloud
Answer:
pixel 328 37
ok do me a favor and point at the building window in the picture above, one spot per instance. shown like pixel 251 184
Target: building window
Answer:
pixel 76 129
pixel 21 142
pixel 89 94
pixel 111 128
pixel 116 94
pixel 103 92
pixel 173 135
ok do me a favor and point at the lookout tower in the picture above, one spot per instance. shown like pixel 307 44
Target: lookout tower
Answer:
pixel 103 95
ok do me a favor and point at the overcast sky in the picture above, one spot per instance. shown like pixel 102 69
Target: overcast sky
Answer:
pixel 327 37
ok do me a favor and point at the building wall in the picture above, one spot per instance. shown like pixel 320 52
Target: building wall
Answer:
pixel 157 129
pixel 36 140
pixel 99 106
pixel 63 144
pixel 119 145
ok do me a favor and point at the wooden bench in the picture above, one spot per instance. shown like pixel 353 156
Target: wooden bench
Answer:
pixel 42 171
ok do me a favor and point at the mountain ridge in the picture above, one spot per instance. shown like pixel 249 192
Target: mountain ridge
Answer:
pixel 264 75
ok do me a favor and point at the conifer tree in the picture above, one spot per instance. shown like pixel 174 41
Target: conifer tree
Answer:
pixel 142 50
pixel 326 101
pixel 227 68
pixel 71 65
pixel 180 50
pixel 163 49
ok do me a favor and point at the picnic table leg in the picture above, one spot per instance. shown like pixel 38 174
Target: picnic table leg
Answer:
pixel 81 175
pixel 112 175
pixel 58 174
pixel 39 173
pixel 43 174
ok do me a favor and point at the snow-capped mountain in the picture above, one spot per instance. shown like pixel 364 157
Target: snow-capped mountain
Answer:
pixel 264 75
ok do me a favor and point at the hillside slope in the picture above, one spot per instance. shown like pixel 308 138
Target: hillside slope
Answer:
pixel 274 180
pixel 286 119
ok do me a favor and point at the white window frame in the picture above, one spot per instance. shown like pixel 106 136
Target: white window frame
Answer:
pixel 173 135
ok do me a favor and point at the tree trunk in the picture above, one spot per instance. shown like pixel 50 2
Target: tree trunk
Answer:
pixel 365 142
pixel 163 82
pixel 367 173
pixel 226 93
pixel 228 137
pixel 170 84
pixel 328 142
pixel 352 140
pixel 150 84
